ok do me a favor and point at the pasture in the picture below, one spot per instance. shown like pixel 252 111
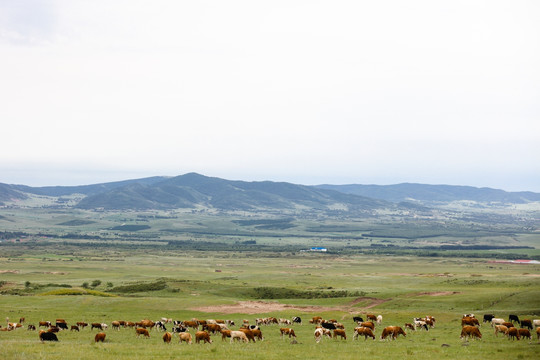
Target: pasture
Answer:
pixel 138 283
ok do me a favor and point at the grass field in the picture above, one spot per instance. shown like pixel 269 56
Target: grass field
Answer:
pixel 153 283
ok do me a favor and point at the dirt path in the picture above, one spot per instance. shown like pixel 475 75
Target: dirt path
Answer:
pixel 261 307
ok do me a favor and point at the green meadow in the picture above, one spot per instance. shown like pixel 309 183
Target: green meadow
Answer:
pixel 85 283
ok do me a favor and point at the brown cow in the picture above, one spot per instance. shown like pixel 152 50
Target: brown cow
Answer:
pixel 44 323
pixel 368 324
pixel 82 324
pixel 142 331
pixel 204 336
pixel 524 333
pixel 225 334
pixel 315 320
pixel 116 325
pixel 167 337
pixel 257 334
pixel 130 324
pixel 213 328
pixel 97 326
pixel 363 331
pixel 74 327
pixel 538 333
pixel 100 337
pixel 371 317
pixel 512 333
pixel 249 334
pixel 394 331
pixel 508 324
pixel 409 326
pixel 192 324
pixel 287 331
pixel 469 331
pixel 340 333
pixel 146 324
pixel 500 329
pixel 471 321
pixel 185 336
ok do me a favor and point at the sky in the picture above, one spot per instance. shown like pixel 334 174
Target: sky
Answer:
pixel 308 92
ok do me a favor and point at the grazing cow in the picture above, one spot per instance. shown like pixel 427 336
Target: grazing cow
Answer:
pixel 371 317
pixel 159 325
pixel 538 333
pixel 213 328
pixel 96 326
pixel 526 323
pixel 240 335
pixel 192 324
pixel 185 336
pixel 142 331
pixel 53 329
pixel 422 325
pixel 357 319
pixel 44 324
pixel 469 331
pixel 47 336
pixel 297 320
pixel 166 320
pixel 287 331
pixel 379 319
pixel 340 333
pixel 130 324
pixel 100 337
pixel 394 331
pixel 146 324
pixel 469 321
pixel 82 324
pixel 315 320
pixel 229 322
pixel 488 317
pixel 536 323
pixel 500 329
pixel 116 325
pixel 512 333
pixel 62 325
pixel 328 325
pixel 21 320
pixel 363 331
pixel 167 337
pixel 31 327
pixel 368 324
pixel 204 336
pixel 284 321
pixel 249 334
pixel 320 333
pixel 257 334
pixel 508 324
pixel 497 321
pixel 410 326
pixel 524 333
pixel 513 318
pixel 74 327
pixel 178 329
pixel 225 334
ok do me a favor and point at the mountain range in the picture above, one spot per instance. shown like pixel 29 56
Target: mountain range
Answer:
pixel 194 190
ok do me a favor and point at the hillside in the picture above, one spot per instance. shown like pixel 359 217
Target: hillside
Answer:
pixel 434 193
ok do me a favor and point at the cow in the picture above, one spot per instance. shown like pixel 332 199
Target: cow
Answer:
pixel 315 320
pixel 508 324
pixel 371 317
pixel 536 323
pixel 526 323
pixel 166 320
pixel 469 331
pixel 497 321
pixel 115 325
pixel 368 324
pixel 340 333
pixel 240 335
pixel 202 336
pixel 192 324
pixel 363 331
pixel 500 329
pixel 130 324
pixel 357 319
pixel 249 334
pixel 146 323
pixel 513 318
pixel 328 325
pixel 230 322
pixel 524 333
pixel 74 328
pixel 44 324
pixel 167 337
pixel 82 324
pixel 31 327
pixel 287 331
pixel 257 334
pixel 512 333
pixel 21 320
pixel 320 332
pixel 178 329
pixel 96 326
pixel 423 325
pixel 538 333
pixel 469 321
pixel 47 336
pixel 379 319
pixel 297 320
pixel 409 326
pixel 283 321
pixel 61 325
pixel 100 337
pixel 225 334
pixel 159 325
pixel 213 328
pixel 185 336
pixel 394 331
pixel 142 331
pixel 488 317
pixel 53 329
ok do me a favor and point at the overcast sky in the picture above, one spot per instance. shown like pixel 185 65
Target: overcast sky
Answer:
pixel 309 92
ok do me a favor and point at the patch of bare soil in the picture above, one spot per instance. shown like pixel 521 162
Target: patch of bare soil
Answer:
pixel 261 307
pixel 440 293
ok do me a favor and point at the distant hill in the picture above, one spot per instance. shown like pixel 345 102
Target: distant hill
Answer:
pixel 434 193
pixel 193 189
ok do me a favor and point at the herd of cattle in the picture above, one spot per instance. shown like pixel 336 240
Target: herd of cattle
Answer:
pixel 205 329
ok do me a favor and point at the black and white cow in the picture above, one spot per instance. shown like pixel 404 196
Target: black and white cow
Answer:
pixel 297 320
pixel 358 319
